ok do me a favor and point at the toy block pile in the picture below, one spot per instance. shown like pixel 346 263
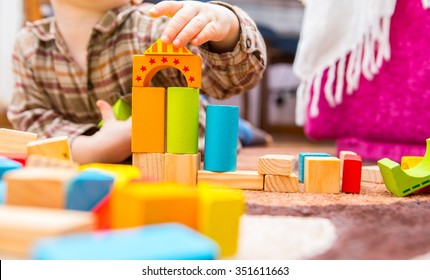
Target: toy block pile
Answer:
pixel 54 210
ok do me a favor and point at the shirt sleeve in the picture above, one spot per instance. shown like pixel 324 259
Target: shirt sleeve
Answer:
pixel 229 73
pixel 30 108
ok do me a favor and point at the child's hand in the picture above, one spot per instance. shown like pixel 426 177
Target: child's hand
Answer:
pixel 115 135
pixel 198 23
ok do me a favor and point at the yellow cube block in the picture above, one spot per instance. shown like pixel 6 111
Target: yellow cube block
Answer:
pixel 220 210
pixel 122 173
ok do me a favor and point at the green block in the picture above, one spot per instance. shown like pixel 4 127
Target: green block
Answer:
pixel 182 120
pixel 121 110
pixel 403 182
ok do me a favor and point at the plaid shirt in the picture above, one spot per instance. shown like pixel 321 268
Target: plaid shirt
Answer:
pixel 54 97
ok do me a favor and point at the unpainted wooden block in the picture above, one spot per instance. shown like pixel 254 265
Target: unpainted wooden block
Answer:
pixel 38 187
pixel 151 165
pixel 15 141
pixel 56 147
pixel 220 210
pixel 150 203
pixel 21 227
pixel 322 175
pixel 371 174
pixel 277 183
pixel 46 161
pixel 181 169
pixel 276 164
pixel 240 179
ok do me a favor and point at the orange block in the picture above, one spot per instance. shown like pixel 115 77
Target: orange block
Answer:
pixel 149 121
pixel 144 204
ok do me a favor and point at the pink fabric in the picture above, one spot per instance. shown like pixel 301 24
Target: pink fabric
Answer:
pixel 390 115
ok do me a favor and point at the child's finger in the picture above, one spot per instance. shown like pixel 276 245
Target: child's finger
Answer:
pixel 166 8
pixel 106 110
pixel 194 27
pixel 208 33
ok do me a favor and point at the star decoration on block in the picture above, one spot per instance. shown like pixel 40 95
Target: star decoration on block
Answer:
pixel 191 79
pixel 164 59
pixel 176 61
pixel 143 68
pixel 152 61
pixel 138 78
pixel 186 69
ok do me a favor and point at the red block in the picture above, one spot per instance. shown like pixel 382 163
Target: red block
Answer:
pixel 19 157
pixel 102 213
pixel 351 177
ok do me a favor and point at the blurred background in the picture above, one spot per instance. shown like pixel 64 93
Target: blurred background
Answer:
pixel 270 105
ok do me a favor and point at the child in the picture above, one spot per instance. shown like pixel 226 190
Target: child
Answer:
pixel 71 68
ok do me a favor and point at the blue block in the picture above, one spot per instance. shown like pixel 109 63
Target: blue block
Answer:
pixel 2 192
pixel 157 242
pixel 7 164
pixel 222 125
pixel 87 189
pixel 301 166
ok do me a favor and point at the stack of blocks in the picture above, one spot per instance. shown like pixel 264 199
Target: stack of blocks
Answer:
pixel 278 173
pixel 165 129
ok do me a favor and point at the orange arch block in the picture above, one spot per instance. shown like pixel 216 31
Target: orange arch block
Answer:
pixel 160 56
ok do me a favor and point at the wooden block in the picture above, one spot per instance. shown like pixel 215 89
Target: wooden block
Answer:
pixel 144 204
pixel 342 155
pixel 45 161
pixel 161 55
pixel 404 182
pixel 351 177
pixel 157 242
pixel 21 227
pixel 276 164
pixel 302 163
pixel 220 210
pixel 87 188
pixel 19 157
pixel 56 147
pixel 322 174
pixel 38 187
pixel 8 165
pixel 121 110
pixel 222 126
pixel 151 165
pixel 408 162
pixel 102 213
pixel 122 173
pixel 149 121
pixel 277 183
pixel 371 174
pixel 181 169
pixel 241 179
pixel 182 120
pixel 14 141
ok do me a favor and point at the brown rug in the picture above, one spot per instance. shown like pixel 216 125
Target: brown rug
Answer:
pixel 371 225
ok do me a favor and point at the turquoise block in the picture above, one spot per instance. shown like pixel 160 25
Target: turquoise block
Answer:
pixel 7 164
pixel 87 189
pixel 156 242
pixel 301 167
pixel 2 192
pixel 222 125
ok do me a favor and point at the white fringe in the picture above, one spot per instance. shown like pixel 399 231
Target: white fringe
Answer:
pixel 426 4
pixel 362 60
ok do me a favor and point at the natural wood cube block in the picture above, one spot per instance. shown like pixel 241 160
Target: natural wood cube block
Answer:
pixel 276 183
pixel 15 141
pixel 56 147
pixel 241 179
pixel 181 169
pixel 276 164
pixel 151 165
pixel 322 175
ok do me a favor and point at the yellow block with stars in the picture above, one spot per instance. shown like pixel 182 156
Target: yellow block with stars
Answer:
pixel 144 203
pixel 220 210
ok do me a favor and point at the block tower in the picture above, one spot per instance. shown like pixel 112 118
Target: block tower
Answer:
pixel 165 122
